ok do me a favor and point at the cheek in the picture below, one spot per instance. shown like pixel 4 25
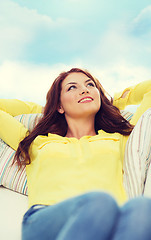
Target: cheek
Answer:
pixel 70 98
pixel 98 98
pixel 67 100
pixel 98 104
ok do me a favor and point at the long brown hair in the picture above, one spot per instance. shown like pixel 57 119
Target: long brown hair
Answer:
pixel 108 118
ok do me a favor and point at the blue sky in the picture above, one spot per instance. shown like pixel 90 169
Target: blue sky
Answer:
pixel 41 38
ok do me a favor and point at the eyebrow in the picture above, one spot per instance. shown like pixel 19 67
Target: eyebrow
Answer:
pixel 88 80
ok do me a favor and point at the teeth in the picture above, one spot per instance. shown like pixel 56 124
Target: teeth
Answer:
pixel 85 99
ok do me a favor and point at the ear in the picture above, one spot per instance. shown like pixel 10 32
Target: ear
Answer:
pixel 60 109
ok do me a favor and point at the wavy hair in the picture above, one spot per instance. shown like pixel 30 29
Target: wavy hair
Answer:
pixel 108 118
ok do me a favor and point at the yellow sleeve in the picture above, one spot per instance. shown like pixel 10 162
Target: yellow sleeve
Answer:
pixel 134 97
pixel 145 104
pixel 11 130
pixel 17 107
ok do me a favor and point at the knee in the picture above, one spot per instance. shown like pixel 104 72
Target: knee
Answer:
pixel 141 206
pixel 137 214
pixel 141 202
pixel 101 200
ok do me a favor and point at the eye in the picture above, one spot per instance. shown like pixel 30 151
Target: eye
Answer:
pixel 91 84
pixel 71 87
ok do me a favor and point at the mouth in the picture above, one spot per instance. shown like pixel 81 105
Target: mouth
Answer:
pixel 85 99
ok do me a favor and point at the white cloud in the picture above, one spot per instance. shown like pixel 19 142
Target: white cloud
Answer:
pixel 142 23
pixel 19 26
pixel 26 81
pixel 115 46
pixel 31 82
pixel 145 14
pixel 119 59
pixel 119 44
pixel 122 75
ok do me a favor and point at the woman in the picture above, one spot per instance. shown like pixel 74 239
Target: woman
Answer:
pixel 74 166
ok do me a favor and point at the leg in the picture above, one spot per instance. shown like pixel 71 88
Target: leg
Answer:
pixel 138 156
pixel 135 220
pixel 88 216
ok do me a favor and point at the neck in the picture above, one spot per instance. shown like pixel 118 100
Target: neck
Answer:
pixel 80 127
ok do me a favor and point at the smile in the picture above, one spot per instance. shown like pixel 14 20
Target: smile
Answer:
pixel 86 99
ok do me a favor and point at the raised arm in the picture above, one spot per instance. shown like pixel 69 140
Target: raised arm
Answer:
pixel 139 94
pixel 132 95
pixel 11 130
pixel 17 107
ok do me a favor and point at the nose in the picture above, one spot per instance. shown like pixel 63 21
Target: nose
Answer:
pixel 84 90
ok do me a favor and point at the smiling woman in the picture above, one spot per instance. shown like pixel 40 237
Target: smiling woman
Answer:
pixel 62 109
pixel 74 165
pixel 79 102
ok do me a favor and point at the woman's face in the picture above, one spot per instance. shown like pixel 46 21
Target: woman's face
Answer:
pixel 79 96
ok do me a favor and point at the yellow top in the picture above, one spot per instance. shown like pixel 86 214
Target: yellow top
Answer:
pixel 64 167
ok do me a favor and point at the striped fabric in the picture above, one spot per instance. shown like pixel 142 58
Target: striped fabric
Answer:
pixel 10 176
pixel 127 115
pixel 138 157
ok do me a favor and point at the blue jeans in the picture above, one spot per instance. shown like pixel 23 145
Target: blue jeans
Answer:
pixel 91 216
